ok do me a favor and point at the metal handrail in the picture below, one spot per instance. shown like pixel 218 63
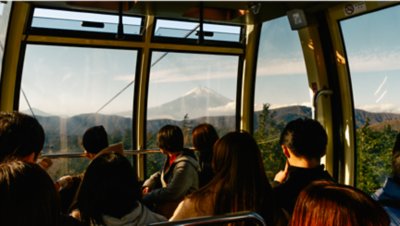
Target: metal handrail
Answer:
pixel 322 92
pixel 225 218
pixel 81 154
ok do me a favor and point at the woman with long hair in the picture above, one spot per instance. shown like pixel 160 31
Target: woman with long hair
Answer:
pixel 239 184
pixel 204 137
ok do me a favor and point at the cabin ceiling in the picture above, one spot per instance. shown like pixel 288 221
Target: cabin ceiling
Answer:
pixel 238 12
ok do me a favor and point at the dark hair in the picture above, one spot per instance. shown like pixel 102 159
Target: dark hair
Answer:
pixel 109 187
pixel 204 137
pixel 396 157
pixel 240 182
pixel 27 195
pixel 396 164
pixel 305 137
pixel 396 146
pixel 330 204
pixel 170 138
pixel 95 139
pixel 20 136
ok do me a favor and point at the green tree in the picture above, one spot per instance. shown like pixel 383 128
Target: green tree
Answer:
pixel 187 131
pixel 374 151
pixel 267 137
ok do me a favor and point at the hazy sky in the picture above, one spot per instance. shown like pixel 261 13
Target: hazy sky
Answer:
pixel 74 80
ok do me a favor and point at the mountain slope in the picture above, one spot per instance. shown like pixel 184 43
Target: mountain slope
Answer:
pixel 196 103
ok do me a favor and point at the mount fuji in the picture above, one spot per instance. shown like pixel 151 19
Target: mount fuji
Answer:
pixel 198 102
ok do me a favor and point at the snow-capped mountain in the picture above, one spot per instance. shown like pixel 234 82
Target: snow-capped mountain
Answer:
pixel 198 102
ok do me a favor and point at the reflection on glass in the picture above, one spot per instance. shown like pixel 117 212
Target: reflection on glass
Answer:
pixel 68 20
pixel 187 89
pixel 373 52
pixel 5 8
pixel 189 30
pixel 282 92
pixel 69 89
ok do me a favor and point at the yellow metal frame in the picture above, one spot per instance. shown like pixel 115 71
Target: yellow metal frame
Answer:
pixel 333 16
pixel 18 21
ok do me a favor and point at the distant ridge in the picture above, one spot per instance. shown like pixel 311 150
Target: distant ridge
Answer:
pixel 36 111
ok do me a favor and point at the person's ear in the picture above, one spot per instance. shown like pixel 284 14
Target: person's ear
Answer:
pixel 285 151
pixel 31 158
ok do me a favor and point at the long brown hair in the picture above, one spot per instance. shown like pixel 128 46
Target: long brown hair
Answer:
pixel 204 137
pixel 330 204
pixel 240 182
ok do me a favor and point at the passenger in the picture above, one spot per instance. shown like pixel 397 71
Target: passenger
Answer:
pixel 389 195
pixel 179 177
pixel 21 137
pixel 330 204
pixel 28 197
pixel 303 142
pixel 110 192
pixel 94 141
pixel 239 184
pixel 204 136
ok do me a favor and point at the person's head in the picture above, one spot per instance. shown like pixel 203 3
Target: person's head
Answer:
pixel 204 136
pixel 109 187
pixel 170 139
pixel 95 139
pixel 330 204
pixel 240 173
pixel 21 137
pixel 27 195
pixel 306 138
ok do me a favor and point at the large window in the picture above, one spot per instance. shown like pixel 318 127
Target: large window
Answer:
pixel 69 89
pixel 187 89
pixel 282 93
pixel 373 54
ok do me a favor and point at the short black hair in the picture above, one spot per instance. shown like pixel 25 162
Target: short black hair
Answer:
pixel 170 138
pixel 95 139
pixel 28 195
pixel 305 137
pixel 109 187
pixel 20 136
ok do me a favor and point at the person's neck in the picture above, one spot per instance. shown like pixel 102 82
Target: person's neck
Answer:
pixel 303 163
pixel 396 179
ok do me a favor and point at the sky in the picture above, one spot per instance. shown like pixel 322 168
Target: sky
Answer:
pixel 75 80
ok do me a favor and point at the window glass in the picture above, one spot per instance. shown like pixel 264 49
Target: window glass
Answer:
pixel 187 89
pixel 189 30
pixel 69 89
pixel 373 54
pixel 78 21
pixel 5 8
pixel 282 92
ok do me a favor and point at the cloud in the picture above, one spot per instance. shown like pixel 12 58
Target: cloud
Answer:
pixel 180 74
pixel 281 67
pixel 228 109
pixel 259 107
pixel 128 78
pixel 375 61
pixel 389 108
pixel 66 77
